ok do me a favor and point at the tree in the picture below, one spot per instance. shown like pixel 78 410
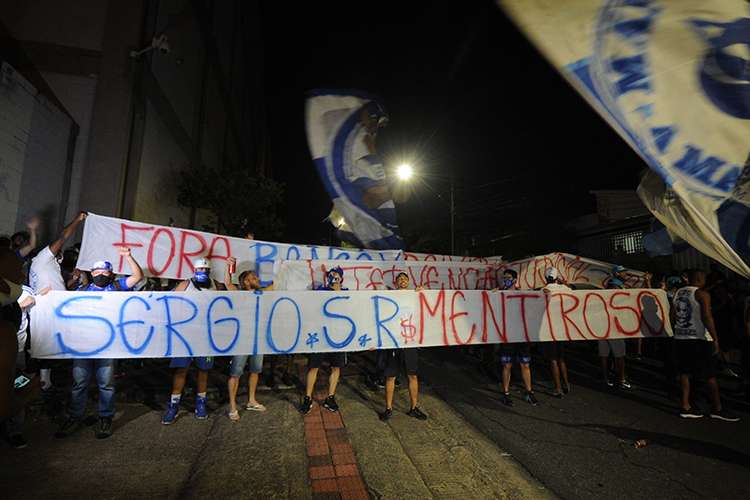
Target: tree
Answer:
pixel 238 200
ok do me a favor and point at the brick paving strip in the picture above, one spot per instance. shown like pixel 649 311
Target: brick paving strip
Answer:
pixel 333 469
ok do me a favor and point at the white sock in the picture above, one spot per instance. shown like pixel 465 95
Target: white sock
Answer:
pixel 201 394
pixel 45 374
pixel 175 398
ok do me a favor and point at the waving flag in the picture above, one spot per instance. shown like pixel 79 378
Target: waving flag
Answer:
pixel 671 76
pixel 341 130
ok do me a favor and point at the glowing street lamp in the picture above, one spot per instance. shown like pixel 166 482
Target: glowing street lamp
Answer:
pixel 404 172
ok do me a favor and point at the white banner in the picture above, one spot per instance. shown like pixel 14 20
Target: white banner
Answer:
pixel 174 324
pixel 168 252
pixel 572 269
pixel 381 275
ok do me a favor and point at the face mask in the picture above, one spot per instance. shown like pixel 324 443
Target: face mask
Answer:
pixel 101 280
pixel 508 283
pixel 12 295
pixel 201 276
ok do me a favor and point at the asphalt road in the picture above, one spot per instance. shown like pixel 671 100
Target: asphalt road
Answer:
pixel 582 446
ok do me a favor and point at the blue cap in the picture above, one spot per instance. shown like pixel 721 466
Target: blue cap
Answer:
pixel 618 269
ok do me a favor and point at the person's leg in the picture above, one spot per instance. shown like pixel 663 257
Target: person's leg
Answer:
pixel 178 381
pixel 526 375
pixel 564 373
pixel 506 377
pixel 333 380
pixel 82 371
pixel 620 367
pixel 685 391
pixel 713 389
pixel 236 367
pixel 556 376
pixel 105 379
pixel 390 388
pixel 413 390
pixel 603 348
pixel 256 367
pixel 202 381
pixel 312 376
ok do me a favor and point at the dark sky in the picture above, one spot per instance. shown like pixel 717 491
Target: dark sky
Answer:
pixel 467 94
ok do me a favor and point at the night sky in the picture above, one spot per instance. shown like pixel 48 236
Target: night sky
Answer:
pixel 467 94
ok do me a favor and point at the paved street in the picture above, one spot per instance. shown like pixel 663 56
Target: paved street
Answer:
pixel 471 446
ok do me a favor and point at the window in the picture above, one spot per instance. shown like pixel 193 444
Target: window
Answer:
pixel 627 243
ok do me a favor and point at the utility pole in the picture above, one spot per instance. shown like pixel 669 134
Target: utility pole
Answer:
pixel 453 220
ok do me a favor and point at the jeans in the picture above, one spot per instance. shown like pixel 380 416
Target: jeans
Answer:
pixel 105 379
pixel 238 364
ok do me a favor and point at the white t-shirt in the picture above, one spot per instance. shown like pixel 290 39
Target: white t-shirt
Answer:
pixel 556 287
pixel 23 329
pixel 45 272
pixel 688 321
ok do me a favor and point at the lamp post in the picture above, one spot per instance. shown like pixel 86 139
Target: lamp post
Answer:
pixel 405 173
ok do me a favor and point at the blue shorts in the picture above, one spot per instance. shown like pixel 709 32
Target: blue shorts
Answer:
pixel 203 362
pixel 520 352
pixel 237 366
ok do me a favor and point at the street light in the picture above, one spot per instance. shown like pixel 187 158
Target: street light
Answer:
pixel 404 172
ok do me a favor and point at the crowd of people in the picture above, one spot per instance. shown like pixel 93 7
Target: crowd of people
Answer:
pixel 709 317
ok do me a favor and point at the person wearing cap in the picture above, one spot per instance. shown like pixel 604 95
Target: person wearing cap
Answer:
pixel 249 281
pixel 554 351
pixel 337 359
pixel 103 280
pixel 517 351
pixel 201 280
pixel 615 347
pixel 395 361
pixel 45 272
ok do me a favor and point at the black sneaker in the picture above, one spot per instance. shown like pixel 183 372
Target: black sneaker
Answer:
pixel 690 413
pixel 306 405
pixel 398 382
pixel 558 395
pixel 17 441
pixel 386 415
pixel 625 385
pixel 380 383
pixel 724 415
pixel 287 381
pixel 505 399
pixel 566 390
pixel 330 404
pixel 68 427
pixel 530 398
pixel 104 428
pixel 417 413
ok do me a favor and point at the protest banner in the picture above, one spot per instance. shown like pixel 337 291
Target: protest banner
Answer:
pixel 381 275
pixel 168 252
pixel 170 324
pixel 429 257
pixel 573 269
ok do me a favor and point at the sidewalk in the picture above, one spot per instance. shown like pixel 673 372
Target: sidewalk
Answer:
pixel 275 454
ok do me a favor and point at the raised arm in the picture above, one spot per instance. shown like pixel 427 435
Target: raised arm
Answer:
pixel 32 226
pixel 136 272
pixel 231 262
pixel 69 230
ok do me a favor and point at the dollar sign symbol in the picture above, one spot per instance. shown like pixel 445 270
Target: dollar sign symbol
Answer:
pixel 408 330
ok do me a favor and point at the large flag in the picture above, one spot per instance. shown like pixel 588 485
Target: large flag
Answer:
pixel 671 76
pixel 341 130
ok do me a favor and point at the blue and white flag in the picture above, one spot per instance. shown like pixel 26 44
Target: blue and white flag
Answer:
pixel 671 76
pixel 341 130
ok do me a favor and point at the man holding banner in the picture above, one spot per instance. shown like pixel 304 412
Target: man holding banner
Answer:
pixel 104 369
pixel 201 280
pixel 406 359
pixel 334 278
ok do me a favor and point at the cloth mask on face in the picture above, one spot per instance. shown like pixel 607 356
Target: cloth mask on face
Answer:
pixel 102 280
pixel 508 283
pixel 201 276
